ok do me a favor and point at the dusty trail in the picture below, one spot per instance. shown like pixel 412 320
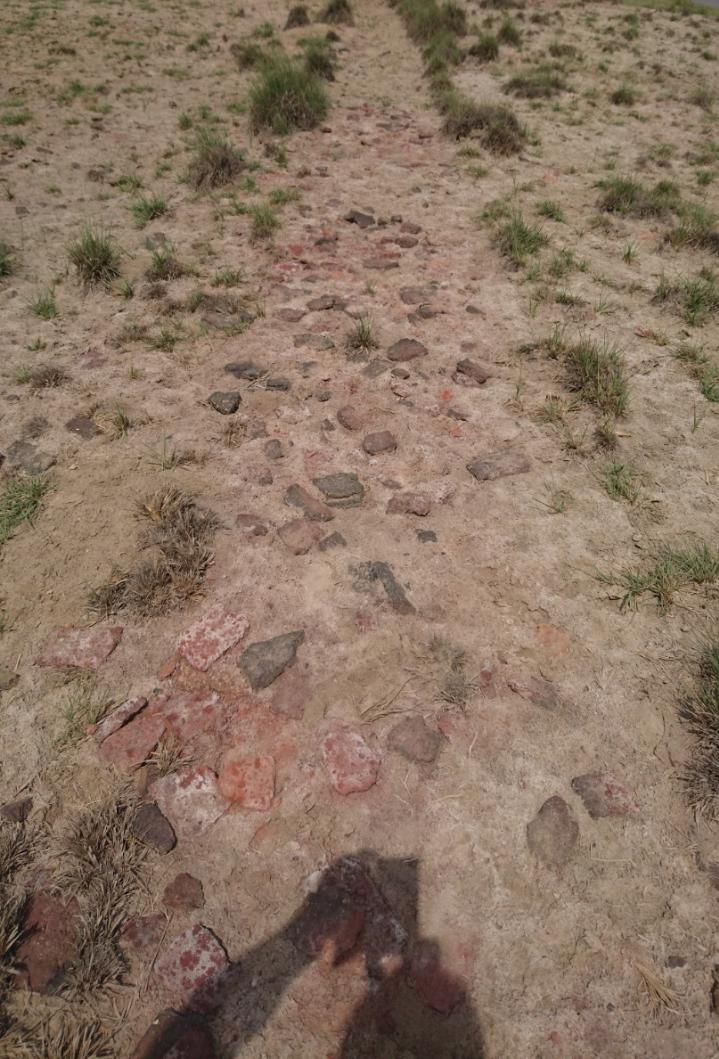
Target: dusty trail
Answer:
pixel 485 622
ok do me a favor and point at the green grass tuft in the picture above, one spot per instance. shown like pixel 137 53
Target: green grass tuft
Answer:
pixel 672 570
pixel 95 257
pixel 20 501
pixel 147 208
pixel 598 374
pixel 287 96
pixel 518 240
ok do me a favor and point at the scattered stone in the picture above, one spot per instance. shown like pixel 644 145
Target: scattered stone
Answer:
pixel 211 636
pixel 323 395
pixel 379 441
pixel 187 714
pixel 415 295
pixel 153 829
pixel 192 968
pixel 174 1036
pixel 676 961
pixel 8 679
pixel 439 989
pixel 362 220
pixel 341 490
pixel 327 424
pixel 425 536
pixel 84 426
pixel 382 572
pixel 130 746
pixel 471 373
pixel 278 382
pixel 299 536
pixel 273 449
pixel 375 368
pixel 604 795
pixel 49 941
pixel 411 228
pixel 474 310
pixel 538 691
pixel 380 263
pixel 18 811
pixel 415 740
pixel 24 456
pixel 351 764
pixel 401 373
pixel 333 540
pixel 184 893
pixel 263 662
pixel 141 935
pixel 290 695
pixel 189 799
pixel 248 781
pixel 553 833
pixel 313 509
pixel 245 369
pixel 312 341
pixel 290 316
pixel 81 648
pixel 406 349
pixel 225 402
pixel 251 525
pixel 498 465
pixel 409 504
pixel 324 302
pixel 35 427
pixel 406 242
pixel 119 716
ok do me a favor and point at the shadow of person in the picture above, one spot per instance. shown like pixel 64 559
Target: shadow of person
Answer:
pixel 363 912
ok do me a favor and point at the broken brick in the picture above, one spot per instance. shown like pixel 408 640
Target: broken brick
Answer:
pixel 119 717
pixel 248 781
pixel 132 744
pixel 190 800
pixel 82 648
pixel 211 635
pixel 192 968
pixel 351 764
pixel 50 941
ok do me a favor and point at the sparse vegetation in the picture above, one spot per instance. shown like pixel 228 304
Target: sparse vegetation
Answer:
pixel 85 703
pixel 696 299
pixel 43 376
pixel 20 501
pixel 627 196
pixel 518 240
pixel 361 338
pixel 320 58
pixel 297 16
pixel 542 82
pixel 485 48
pixel 597 372
pixel 264 222
pixel 674 569
pixel 620 481
pixel 337 13
pixel 7 260
pixel 44 305
pixel 147 208
pixel 287 96
pixel 702 368
pixel 95 257
pixel 699 712
pixel 216 162
pixel 164 264
pixel 623 96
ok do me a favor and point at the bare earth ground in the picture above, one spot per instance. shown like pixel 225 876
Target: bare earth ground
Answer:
pixel 548 957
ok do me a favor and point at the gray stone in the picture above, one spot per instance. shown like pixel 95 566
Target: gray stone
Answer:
pixel 604 795
pixel 24 456
pixel 426 536
pixel 273 449
pixel 278 382
pixel 498 465
pixel 406 349
pixel 18 811
pixel 312 341
pixel 84 426
pixel 263 662
pixel 362 220
pixel 245 369
pixel 333 540
pixel 153 829
pixel 471 373
pixel 341 490
pixel 378 442
pixel 553 833
pixel 8 678
pixel 313 509
pixel 251 525
pixel 415 740
pixel 226 403
pixel 382 572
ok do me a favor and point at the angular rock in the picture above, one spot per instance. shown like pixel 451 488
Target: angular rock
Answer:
pixel 49 941
pixel 8 679
pixel 471 373
pixel 81 648
pixel 84 426
pixel 312 341
pixel 119 717
pixel 289 315
pixel 226 402
pixel 380 441
pixel 248 781
pixel 538 691
pixel 141 935
pixel 406 349
pixel 273 449
pixel 299 536
pixel 415 740
pixel 188 714
pixel 498 465
pixel 190 799
pixel 382 572
pixel 425 536
pixel 415 295
pixel 245 369
pixel 130 746
pixel 411 228
pixel 151 828
pixel 192 968
pixel 409 504
pixel 604 795
pixel 333 540
pixel 175 1036
pixel 313 509
pixel 263 662
pixel 352 766
pixel 362 220
pixel 324 302
pixel 341 490
pixel 553 833
pixel 349 417
pixel 24 456
pixel 278 382
pixel 18 811
pixel 251 525
pixel 184 893
pixel 215 632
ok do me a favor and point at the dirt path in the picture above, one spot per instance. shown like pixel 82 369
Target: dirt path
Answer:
pixel 450 663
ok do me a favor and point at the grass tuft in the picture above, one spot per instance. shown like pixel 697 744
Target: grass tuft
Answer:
pixel 620 481
pixel 147 208
pixel 672 570
pixel 626 196
pixel 44 305
pixel 297 16
pixel 542 82
pixel 597 372
pixel 337 13
pixel 361 338
pixel 696 299
pixel 95 257
pixel 216 162
pixel 517 240
pixel 287 96
pixel 20 501
pixel 7 260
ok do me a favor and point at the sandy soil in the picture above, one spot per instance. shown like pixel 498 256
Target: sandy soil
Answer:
pixel 548 958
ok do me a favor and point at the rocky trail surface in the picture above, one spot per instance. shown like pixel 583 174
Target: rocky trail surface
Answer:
pixel 401 779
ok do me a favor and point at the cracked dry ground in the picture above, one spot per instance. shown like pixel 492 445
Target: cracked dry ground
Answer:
pixel 402 771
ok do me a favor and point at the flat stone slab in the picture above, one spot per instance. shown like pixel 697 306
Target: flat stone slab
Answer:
pixel 81 648
pixel 215 632
pixel 263 662
pixel 553 833
pixel 131 745
pixel 225 402
pixel 352 766
pixel 119 717
pixel 190 800
pixel 406 349
pixel 248 780
pixel 604 795
pixel 312 508
pixel 415 740
pixel 192 968
pixel 152 828
pixel 341 490
pixel 498 465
